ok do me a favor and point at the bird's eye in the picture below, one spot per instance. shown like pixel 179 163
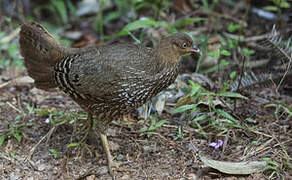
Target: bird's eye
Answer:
pixel 184 45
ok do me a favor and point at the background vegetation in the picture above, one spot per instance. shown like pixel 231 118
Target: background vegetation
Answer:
pixel 237 93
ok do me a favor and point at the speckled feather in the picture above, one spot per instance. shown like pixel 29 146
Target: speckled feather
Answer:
pixel 116 83
pixel 107 81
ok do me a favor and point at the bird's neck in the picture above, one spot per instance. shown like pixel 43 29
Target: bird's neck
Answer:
pixel 166 56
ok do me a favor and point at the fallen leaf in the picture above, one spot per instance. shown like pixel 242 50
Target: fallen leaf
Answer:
pixel 20 81
pixel 246 167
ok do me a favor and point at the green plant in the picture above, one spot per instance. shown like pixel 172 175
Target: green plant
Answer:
pixel 60 10
pixel 149 22
pixel 220 118
pixel 55 117
pixel 278 4
pixel 223 63
pixel 208 7
pixel 273 166
pixel 54 153
pixel 177 134
pixel 152 126
pixel 73 144
pixel 13 131
pixel 128 10
pixel 281 109
pixel 234 27
pixel 9 54
pixel 248 52
pixel 55 31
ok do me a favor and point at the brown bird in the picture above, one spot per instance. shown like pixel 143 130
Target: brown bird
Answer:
pixel 108 81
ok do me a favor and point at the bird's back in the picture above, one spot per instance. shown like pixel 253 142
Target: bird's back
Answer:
pixel 116 78
pixel 110 80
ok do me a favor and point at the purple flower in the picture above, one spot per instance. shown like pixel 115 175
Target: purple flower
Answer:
pixel 216 145
pixel 47 120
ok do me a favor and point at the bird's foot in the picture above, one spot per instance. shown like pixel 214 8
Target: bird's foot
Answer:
pixel 114 166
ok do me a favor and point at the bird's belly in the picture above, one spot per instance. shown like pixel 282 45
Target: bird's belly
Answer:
pixel 123 101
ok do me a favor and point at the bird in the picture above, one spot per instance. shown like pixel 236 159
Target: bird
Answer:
pixel 106 81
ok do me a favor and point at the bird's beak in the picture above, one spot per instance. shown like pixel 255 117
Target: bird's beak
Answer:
pixel 195 50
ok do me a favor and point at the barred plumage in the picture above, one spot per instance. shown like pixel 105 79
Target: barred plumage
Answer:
pixel 107 81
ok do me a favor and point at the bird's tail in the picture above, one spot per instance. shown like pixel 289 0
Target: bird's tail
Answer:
pixel 41 51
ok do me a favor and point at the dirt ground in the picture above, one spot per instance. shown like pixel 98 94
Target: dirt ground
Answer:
pixel 143 157
pixel 39 130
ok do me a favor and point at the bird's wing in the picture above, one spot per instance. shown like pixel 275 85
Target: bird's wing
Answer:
pixel 105 73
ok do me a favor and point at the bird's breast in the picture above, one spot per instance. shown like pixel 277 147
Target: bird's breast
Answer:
pixel 133 93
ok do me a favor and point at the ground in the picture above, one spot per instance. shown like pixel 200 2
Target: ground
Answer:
pixel 42 133
pixel 154 157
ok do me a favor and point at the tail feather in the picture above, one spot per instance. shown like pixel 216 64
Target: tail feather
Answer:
pixel 41 52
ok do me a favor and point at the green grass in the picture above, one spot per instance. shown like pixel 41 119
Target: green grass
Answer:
pixel 151 125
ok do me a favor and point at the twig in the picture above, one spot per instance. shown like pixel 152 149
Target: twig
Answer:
pixel 282 147
pixel 28 157
pixel 225 142
pixel 239 82
pixel 228 107
pixel 13 107
pixel 172 143
pixel 257 132
pixel 11 36
pixel 19 81
pixel 285 74
pixel 241 73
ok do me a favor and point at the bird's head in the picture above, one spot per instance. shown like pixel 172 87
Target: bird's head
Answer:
pixel 171 48
pixel 183 44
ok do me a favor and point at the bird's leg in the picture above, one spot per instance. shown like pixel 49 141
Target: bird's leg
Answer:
pixel 89 126
pixel 111 164
pixel 100 128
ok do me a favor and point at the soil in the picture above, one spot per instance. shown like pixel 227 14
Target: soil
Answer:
pixel 142 157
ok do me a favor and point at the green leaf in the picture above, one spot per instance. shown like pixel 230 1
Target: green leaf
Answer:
pixel 187 21
pixel 2 139
pixel 233 74
pixel 138 24
pixel 270 8
pixel 54 152
pixel 250 120
pixel 233 27
pixel 223 64
pixel 111 16
pixel 151 128
pixel 142 23
pixel 232 95
pixel 13 50
pixel 184 108
pixel 144 129
pixel 225 52
pixel 61 9
pixel 215 54
pixel 232 43
pixel 285 4
pixel 199 118
pixel 17 136
pixel 71 7
pixel 226 115
pixel 248 52
pixel 196 88
pixel 73 144
pixel 160 123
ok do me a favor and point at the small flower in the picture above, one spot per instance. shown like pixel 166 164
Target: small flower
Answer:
pixel 47 120
pixel 216 145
